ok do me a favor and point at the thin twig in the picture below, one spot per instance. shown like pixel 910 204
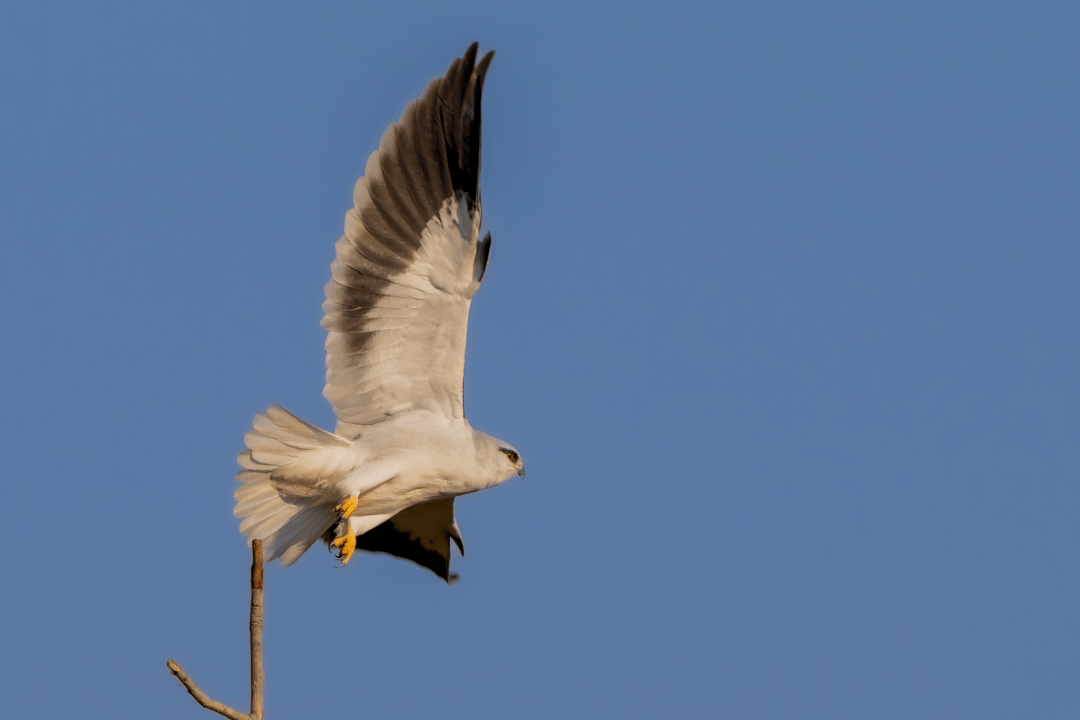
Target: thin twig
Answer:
pixel 256 628
pixel 202 698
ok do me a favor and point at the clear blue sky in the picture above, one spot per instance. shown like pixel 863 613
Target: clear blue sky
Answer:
pixel 781 311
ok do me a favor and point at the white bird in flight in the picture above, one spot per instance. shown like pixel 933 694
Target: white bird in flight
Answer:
pixel 397 310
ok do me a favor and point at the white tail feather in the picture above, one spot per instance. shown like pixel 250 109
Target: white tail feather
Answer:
pixel 302 531
pixel 287 525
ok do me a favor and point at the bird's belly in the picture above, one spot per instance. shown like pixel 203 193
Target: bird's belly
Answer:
pixel 406 490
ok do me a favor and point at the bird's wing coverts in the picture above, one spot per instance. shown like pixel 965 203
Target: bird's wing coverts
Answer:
pixel 397 304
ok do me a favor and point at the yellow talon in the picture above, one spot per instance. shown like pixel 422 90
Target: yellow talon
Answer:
pixel 347 506
pixel 347 542
pixel 347 545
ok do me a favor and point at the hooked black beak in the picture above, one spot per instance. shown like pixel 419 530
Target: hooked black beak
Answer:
pixel 521 471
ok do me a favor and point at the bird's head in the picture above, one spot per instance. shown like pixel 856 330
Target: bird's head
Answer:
pixel 513 458
pixel 501 459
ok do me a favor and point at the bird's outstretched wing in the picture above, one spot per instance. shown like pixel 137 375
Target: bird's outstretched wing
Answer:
pixel 397 305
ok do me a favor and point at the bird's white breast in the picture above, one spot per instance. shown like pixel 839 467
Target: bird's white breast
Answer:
pixel 414 459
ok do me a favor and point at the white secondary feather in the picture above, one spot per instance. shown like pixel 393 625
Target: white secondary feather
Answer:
pixel 415 357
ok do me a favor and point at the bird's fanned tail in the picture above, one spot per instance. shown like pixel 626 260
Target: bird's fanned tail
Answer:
pixel 287 463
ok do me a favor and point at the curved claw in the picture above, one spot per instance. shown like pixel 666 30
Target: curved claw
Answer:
pixel 346 545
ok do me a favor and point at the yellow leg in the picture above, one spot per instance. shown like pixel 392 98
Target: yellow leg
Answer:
pixel 347 542
pixel 348 506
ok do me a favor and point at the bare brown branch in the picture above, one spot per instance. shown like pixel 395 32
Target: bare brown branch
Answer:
pixel 256 628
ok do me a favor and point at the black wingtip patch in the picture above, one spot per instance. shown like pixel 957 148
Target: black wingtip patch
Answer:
pixel 483 250
pixel 431 155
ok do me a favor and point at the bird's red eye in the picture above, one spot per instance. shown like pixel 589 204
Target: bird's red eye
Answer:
pixel 512 455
